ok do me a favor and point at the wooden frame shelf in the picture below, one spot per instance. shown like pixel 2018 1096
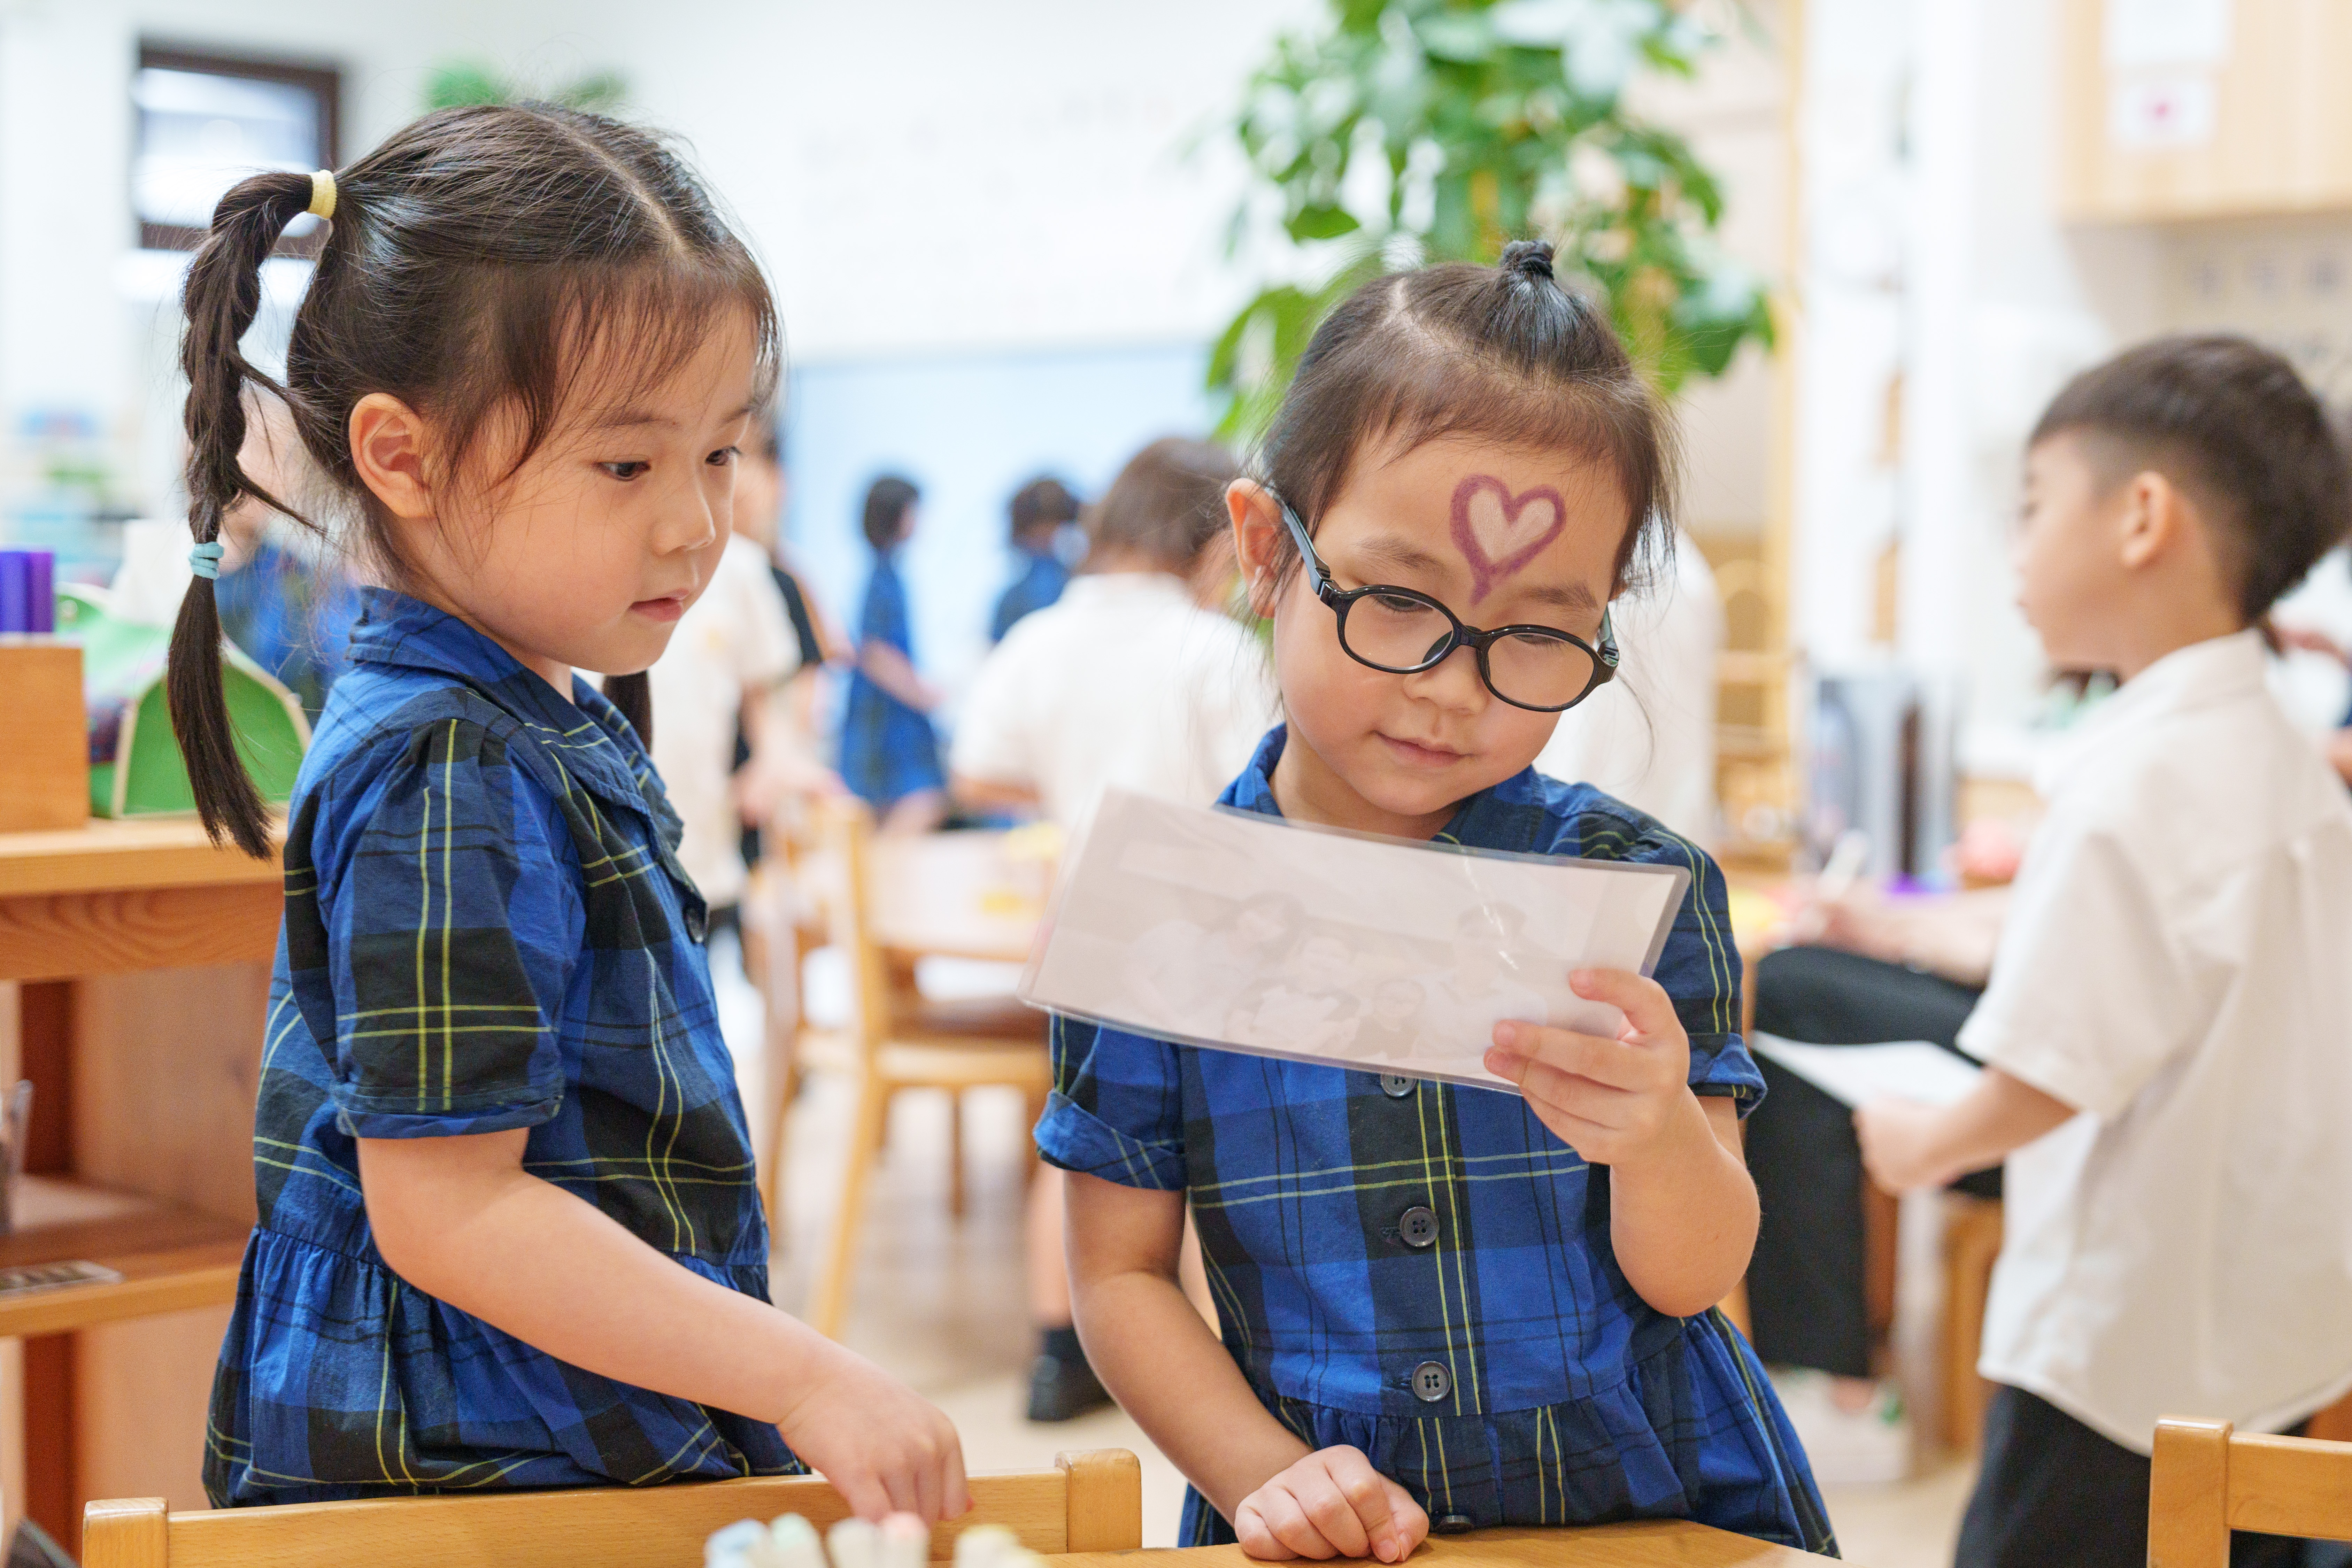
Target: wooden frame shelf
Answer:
pixel 111 897
pixel 170 1258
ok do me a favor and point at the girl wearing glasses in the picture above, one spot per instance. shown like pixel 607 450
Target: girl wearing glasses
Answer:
pixel 1444 1308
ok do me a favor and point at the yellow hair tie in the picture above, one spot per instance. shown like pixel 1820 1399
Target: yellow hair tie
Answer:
pixel 322 192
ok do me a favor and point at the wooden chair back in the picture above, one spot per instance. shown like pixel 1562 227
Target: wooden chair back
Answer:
pixel 2208 1481
pixel 1088 1502
pixel 842 882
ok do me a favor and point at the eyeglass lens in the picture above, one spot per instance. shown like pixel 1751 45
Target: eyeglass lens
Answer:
pixel 1398 633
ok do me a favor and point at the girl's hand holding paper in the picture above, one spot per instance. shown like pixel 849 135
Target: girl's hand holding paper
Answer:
pixel 1611 1101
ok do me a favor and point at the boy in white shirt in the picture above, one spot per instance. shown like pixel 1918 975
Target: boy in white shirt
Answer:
pixel 2167 1029
pixel 1132 678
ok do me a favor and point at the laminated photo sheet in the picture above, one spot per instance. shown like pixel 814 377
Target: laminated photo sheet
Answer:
pixel 1245 933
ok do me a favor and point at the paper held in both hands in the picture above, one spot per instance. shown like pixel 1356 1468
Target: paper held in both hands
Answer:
pixel 1243 933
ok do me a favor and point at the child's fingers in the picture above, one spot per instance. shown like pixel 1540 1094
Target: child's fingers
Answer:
pixel 1289 1523
pixel 1407 1521
pixel 863 1493
pixel 1611 1062
pixel 1256 1537
pixel 1647 1007
pixel 956 1501
pixel 1369 1505
pixel 1331 1510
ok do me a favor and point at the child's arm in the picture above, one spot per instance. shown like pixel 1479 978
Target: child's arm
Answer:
pixel 1682 1209
pixel 460 1219
pixel 1168 1370
pixel 894 673
pixel 1907 1145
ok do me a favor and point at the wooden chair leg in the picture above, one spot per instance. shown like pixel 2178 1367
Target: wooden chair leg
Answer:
pixel 829 1299
pixel 957 1197
pixel 1972 1243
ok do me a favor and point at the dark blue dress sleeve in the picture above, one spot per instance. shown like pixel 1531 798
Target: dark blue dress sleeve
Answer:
pixel 1117 1108
pixel 1699 968
pixel 455 925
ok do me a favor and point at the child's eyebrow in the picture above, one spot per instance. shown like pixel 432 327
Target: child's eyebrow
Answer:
pixel 1403 555
pixel 626 419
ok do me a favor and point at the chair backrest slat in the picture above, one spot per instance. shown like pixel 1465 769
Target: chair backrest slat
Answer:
pixel 2207 1480
pixel 1094 1497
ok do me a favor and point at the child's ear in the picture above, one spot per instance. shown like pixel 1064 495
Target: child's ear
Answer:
pixel 387 442
pixel 1257 540
pixel 2153 514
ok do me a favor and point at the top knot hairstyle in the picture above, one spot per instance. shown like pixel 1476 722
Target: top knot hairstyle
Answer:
pixel 1503 353
pixel 483 258
pixel 2231 422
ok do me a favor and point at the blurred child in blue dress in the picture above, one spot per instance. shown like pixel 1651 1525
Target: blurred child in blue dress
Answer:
pixel 890 752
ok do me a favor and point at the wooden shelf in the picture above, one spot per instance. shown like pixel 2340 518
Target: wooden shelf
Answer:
pixel 108 856
pixel 150 893
pixel 170 1258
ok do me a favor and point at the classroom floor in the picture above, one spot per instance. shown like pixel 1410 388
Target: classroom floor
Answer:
pixel 939 1303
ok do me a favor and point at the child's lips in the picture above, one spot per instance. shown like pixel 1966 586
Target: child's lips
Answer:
pixel 1421 754
pixel 668 607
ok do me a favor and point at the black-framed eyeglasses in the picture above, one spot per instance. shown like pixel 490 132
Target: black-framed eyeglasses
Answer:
pixel 1403 631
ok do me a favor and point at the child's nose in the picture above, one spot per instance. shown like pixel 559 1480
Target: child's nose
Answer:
pixel 1451 682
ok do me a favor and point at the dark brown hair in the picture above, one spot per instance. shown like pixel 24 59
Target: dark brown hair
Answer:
pixel 1168 504
pixel 887 500
pixel 1505 352
pixel 482 258
pixel 1043 504
pixel 2233 424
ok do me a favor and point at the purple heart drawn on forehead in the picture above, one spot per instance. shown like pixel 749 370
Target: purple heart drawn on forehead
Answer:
pixel 1498 532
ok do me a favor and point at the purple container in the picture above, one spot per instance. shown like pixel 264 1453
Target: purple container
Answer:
pixel 16 591
pixel 41 592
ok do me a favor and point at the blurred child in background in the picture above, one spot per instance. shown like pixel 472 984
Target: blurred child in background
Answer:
pixel 890 752
pixel 1041 509
pixel 2163 1027
pixel 1133 678
pixel 1136 678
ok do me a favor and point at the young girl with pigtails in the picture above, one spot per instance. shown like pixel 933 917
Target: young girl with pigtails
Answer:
pixel 509 1232
pixel 1444 1307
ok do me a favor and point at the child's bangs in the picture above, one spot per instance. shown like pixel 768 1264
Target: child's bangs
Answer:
pixel 565 342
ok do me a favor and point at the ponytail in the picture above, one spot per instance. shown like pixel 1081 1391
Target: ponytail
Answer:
pixel 222 296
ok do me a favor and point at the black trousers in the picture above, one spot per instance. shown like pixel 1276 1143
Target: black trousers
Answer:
pixel 2054 1494
pixel 1806 1294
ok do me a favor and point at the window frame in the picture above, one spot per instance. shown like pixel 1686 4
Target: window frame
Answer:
pixel 325 84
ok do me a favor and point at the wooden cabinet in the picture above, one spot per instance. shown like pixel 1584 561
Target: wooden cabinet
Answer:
pixel 2262 125
pixel 134 972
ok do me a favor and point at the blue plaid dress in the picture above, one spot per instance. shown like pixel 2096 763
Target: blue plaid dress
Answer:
pixel 487 928
pixel 1503 1372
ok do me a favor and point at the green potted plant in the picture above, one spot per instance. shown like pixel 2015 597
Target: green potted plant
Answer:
pixel 1409 131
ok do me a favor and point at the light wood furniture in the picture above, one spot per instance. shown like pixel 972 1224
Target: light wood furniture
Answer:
pixel 2208 1481
pixel 2266 129
pixel 45 765
pixel 895 1040
pixel 1652 1544
pixel 1090 1503
pixel 1971 1246
pixel 133 977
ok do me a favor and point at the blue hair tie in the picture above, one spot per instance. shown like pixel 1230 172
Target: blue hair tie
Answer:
pixel 204 560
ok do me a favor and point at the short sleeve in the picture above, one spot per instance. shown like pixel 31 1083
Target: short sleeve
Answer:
pixel 455 926
pixel 765 651
pixel 2089 995
pixel 994 737
pixel 1699 968
pixel 1117 1108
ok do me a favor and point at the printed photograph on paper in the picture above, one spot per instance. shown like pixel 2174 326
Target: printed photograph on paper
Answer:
pixel 1249 933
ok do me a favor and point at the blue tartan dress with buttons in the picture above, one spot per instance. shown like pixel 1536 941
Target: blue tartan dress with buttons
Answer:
pixel 487 928
pixel 1423 1271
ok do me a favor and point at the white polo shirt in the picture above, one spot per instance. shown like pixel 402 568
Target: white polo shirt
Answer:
pixel 1123 680
pixel 2178 965
pixel 737 637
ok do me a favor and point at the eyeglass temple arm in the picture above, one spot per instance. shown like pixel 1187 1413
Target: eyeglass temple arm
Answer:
pixel 1306 545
